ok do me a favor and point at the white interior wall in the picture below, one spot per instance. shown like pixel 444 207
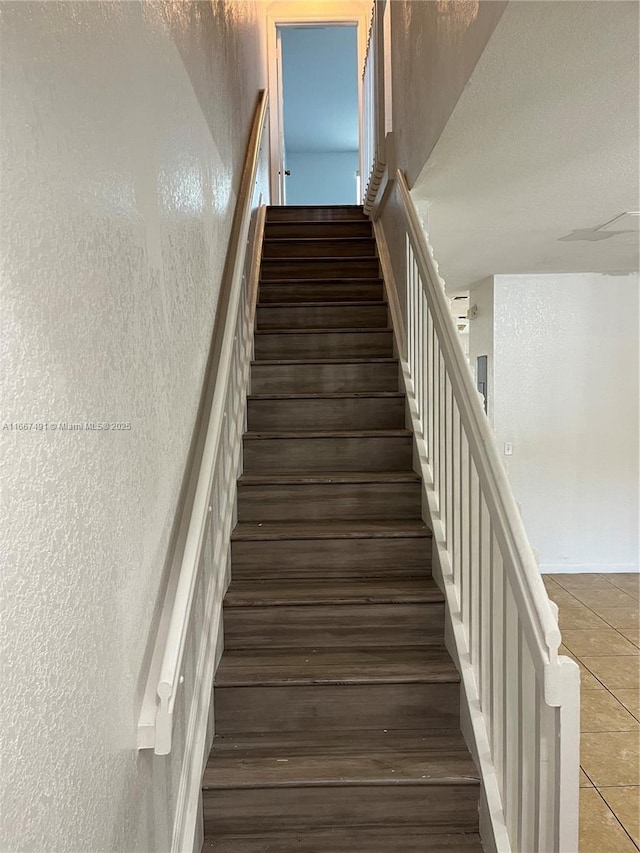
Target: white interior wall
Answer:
pixel 124 130
pixel 541 148
pixel 435 47
pixel 566 395
pixel 480 337
pixel 319 177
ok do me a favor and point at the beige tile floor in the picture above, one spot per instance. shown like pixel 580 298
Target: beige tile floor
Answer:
pixel 601 631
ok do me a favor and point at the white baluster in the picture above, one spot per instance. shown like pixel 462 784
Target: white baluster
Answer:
pixel 498 613
pixel 456 496
pixel 465 528
pixel 486 650
pixel 529 755
pixel 448 467
pixel 428 367
pixel 513 779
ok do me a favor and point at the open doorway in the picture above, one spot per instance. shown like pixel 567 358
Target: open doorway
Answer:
pixel 319 113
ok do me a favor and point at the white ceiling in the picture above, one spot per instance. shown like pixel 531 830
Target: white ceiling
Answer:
pixel 320 88
pixel 541 149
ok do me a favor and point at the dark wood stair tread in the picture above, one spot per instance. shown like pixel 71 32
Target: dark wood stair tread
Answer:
pixel 313 759
pixel 300 478
pixel 303 666
pixel 329 331
pixel 315 258
pixel 298 222
pixel 282 530
pixel 266 593
pixel 313 239
pixel 363 303
pixel 389 839
pixel 302 221
pixel 316 240
pixel 329 433
pixel 276 210
pixel 339 395
pixel 264 362
pixel 312 282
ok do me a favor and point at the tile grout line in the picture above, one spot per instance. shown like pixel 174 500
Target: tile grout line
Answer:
pixel 615 585
pixel 614 814
pixel 609 691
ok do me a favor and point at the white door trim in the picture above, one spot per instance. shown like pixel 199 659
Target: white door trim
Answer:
pixel 287 13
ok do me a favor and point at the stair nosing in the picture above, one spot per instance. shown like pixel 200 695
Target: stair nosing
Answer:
pixel 365 330
pixel 326 681
pixel 348 360
pixel 257 435
pixel 265 680
pixel 346 239
pixel 364 303
pixel 316 207
pixel 336 279
pixel 338 395
pixel 333 258
pixel 250 531
pixel 441 782
pixel 419 591
pixel 336 478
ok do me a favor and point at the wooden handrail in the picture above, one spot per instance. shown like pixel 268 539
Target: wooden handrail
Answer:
pixel 156 717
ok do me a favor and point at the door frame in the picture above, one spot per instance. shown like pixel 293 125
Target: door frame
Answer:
pixel 286 14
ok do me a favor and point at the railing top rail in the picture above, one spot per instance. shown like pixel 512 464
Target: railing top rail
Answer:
pixel 520 562
pixel 221 349
pixel 370 38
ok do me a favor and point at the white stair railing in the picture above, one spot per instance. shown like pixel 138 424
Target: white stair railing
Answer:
pixel 372 113
pixel 522 697
pixel 186 644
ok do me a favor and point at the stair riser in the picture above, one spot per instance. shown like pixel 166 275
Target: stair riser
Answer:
pixel 350 413
pixel 285 809
pixel 322 502
pixel 284 230
pixel 322 291
pixel 323 317
pixel 331 558
pixel 420 624
pixel 377 344
pixel 279 455
pixel 337 706
pixel 311 213
pixel 323 378
pixel 319 248
pixel 319 268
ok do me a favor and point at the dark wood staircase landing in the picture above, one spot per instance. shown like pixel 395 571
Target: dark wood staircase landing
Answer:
pixel 336 703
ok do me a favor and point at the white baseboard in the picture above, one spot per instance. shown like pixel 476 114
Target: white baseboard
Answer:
pixel 589 568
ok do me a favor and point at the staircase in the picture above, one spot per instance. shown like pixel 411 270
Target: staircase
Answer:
pixel 336 703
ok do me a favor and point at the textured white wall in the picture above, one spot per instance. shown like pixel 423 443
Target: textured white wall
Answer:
pixel 566 394
pixel 124 127
pixel 435 47
pixel 542 146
